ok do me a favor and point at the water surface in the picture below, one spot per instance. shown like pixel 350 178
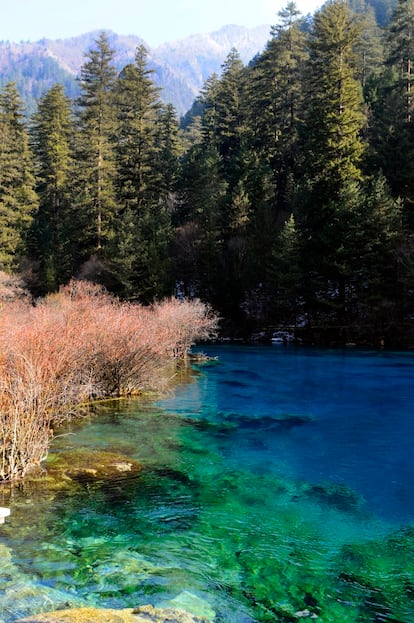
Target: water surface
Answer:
pixel 276 486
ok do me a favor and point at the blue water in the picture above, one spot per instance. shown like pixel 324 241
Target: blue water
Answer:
pixel 359 407
pixel 276 485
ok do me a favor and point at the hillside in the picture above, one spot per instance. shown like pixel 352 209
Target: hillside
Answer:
pixel 180 67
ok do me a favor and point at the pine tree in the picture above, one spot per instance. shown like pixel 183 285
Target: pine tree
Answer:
pixel 18 200
pixel 146 161
pixel 169 143
pixel 230 119
pixel 393 114
pixel 209 116
pixel 401 43
pixel 378 235
pixel 285 275
pixel 369 47
pixel 52 141
pixel 275 101
pixel 96 206
pixel 334 116
pixel 199 240
pixel 332 152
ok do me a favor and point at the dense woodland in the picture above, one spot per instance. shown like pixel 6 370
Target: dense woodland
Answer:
pixel 285 197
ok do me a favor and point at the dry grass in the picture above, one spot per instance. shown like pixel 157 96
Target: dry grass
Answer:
pixel 75 346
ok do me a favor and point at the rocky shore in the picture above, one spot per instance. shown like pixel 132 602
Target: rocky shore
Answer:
pixel 141 614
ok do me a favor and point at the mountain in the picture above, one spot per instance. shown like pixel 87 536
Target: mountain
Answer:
pixel 180 67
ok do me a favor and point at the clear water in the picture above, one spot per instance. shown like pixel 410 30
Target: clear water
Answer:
pixel 277 485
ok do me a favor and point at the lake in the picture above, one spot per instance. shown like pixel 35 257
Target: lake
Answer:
pixel 276 485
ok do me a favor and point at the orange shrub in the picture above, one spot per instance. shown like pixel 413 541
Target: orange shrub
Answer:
pixel 75 346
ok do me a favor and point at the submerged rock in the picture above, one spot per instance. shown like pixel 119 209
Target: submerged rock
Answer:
pixel 141 614
pixel 91 465
pixel 23 596
pixel 67 470
pixel 334 494
pixel 192 603
pixel 202 359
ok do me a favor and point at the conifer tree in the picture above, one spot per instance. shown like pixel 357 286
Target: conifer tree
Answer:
pixel 332 152
pixel 230 119
pixel 275 101
pixel 275 91
pixel 285 274
pixel 145 158
pixel 378 236
pixel 209 114
pixel 401 46
pixel 52 134
pixel 229 137
pixel 18 199
pixel 169 143
pixel 393 112
pixel 199 239
pixel 95 202
pixel 369 47
pixel 334 116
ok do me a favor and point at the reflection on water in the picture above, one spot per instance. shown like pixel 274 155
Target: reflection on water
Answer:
pixel 276 486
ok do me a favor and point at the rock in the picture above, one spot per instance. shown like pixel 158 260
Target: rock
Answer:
pixel 91 465
pixel 123 572
pixel 305 613
pixel 23 596
pixel 82 615
pixel 141 614
pixel 336 495
pixel 192 603
pixel 202 359
pixel 69 469
pixel 149 614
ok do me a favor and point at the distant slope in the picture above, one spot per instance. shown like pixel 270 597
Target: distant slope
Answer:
pixel 198 56
pixel 180 67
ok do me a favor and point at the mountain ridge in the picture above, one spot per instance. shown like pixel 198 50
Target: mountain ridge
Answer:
pixel 180 66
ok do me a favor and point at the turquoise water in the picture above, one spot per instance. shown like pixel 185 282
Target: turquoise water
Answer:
pixel 277 485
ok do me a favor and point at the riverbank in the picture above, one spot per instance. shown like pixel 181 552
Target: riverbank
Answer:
pixel 78 346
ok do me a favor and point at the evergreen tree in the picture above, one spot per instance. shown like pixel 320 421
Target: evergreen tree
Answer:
pixel 18 199
pixel 146 151
pixel 332 151
pixel 275 91
pixel 334 116
pixel 209 115
pixel 169 143
pixel 230 125
pixel 377 239
pixel 369 47
pixel 95 201
pixel 401 43
pixel 393 116
pixel 52 141
pixel 275 98
pixel 198 240
pixel 285 275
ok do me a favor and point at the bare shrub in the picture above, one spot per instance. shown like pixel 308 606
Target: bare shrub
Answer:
pixel 12 288
pixel 180 323
pixel 77 345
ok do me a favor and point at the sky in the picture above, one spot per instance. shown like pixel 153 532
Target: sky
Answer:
pixel 156 21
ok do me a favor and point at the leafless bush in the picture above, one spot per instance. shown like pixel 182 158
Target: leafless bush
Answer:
pixel 75 346
pixel 11 288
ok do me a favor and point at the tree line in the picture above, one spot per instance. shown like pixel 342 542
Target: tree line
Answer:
pixel 284 197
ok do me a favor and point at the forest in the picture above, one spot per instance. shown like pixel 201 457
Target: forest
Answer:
pixel 283 198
